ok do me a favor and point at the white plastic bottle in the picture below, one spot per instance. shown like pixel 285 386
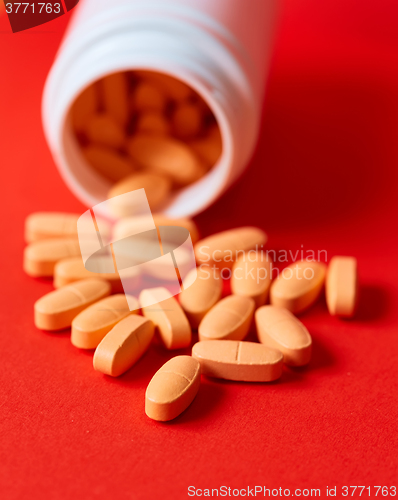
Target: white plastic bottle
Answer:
pixel 221 48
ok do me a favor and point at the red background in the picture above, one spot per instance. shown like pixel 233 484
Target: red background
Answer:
pixel 324 176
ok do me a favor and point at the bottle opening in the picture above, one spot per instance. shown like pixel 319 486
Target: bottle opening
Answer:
pixel 143 129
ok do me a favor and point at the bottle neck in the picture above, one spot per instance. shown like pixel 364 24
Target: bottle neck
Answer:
pixel 172 45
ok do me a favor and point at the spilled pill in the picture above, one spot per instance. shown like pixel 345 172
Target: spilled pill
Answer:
pixel 67 271
pixel 222 249
pixel 123 346
pixel 57 309
pixel 251 276
pixel 235 360
pixel 342 286
pixel 46 225
pixel 298 286
pixel 41 256
pixel 172 388
pixel 91 325
pixel 229 319
pixel 140 223
pixel 49 225
pixel 279 329
pixel 166 156
pixel 202 295
pixel 168 316
pixel 156 187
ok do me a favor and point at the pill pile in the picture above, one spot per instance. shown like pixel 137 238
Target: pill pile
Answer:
pixel 97 311
pixel 148 130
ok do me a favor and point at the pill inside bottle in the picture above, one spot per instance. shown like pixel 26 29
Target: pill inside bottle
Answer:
pixel 141 125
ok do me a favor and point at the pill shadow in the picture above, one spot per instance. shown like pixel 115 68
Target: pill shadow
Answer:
pixel 321 358
pixel 207 401
pixel 148 365
pixel 374 303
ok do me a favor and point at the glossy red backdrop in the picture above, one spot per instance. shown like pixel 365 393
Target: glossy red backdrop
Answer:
pixel 324 176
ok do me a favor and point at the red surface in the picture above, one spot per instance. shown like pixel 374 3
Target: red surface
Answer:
pixel 325 177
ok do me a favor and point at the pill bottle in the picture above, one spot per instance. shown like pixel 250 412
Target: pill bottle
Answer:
pixel 219 48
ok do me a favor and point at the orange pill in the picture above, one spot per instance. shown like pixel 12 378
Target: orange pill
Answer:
pixel 148 96
pixel 173 88
pixel 41 256
pixel 104 130
pixel 56 310
pixel 123 346
pixel 134 225
pixel 222 249
pixel 152 122
pixel 208 148
pixel 229 319
pixel 202 295
pixel 235 360
pixel 342 286
pixel 92 324
pixel 115 96
pixel 298 286
pixel 111 164
pixel 167 156
pixel 85 105
pixel 157 189
pixel 49 225
pixel 251 276
pixel 187 120
pixel 69 270
pixel 279 329
pixel 172 388
pixel 168 316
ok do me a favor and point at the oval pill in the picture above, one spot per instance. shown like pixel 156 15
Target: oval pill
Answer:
pixel 104 130
pixel 49 225
pixel 133 225
pixel 152 122
pixel 108 162
pixel 229 319
pixel 123 346
pixel 187 120
pixel 157 189
pixel 235 360
pixel 342 286
pixel 172 388
pixel 279 329
pixel 115 100
pixel 251 276
pixel 167 156
pixel 208 148
pixel 67 271
pixel 222 249
pixel 84 107
pixel 173 88
pixel 57 309
pixel 298 286
pixel 91 325
pixel 168 317
pixel 202 295
pixel 148 96
pixel 41 256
